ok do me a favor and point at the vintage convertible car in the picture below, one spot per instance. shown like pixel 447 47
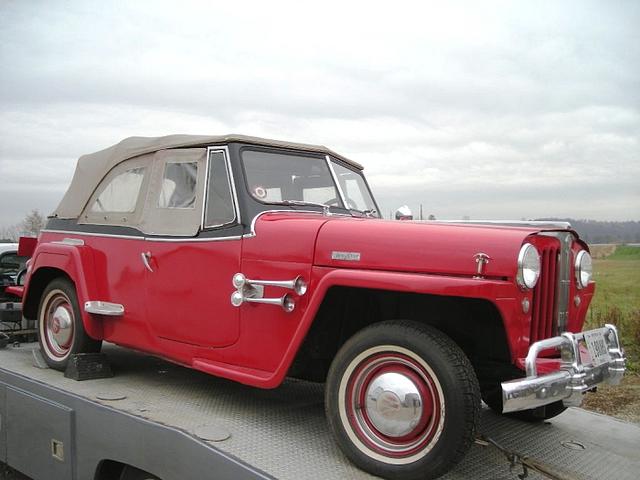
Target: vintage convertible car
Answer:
pixel 254 259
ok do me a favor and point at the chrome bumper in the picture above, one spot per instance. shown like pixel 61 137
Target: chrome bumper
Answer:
pixel 571 381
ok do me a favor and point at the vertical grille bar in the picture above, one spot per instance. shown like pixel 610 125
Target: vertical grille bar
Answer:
pixel 544 296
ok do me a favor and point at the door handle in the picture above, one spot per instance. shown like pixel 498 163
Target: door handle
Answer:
pixel 146 256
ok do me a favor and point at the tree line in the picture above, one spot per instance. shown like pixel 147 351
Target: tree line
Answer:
pixel 29 227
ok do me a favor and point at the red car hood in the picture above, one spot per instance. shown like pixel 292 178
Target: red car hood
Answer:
pixel 443 249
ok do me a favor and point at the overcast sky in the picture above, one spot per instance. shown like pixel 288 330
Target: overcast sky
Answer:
pixel 487 110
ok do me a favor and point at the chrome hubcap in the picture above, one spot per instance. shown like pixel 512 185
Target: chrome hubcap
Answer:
pixel 393 404
pixel 59 326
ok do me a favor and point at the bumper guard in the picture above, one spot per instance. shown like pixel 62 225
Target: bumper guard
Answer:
pixel 572 380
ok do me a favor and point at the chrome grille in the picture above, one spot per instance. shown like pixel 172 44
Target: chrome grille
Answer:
pixel 550 302
pixel 543 318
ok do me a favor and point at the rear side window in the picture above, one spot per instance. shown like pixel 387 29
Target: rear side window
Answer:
pixel 179 185
pixel 119 198
pixel 121 193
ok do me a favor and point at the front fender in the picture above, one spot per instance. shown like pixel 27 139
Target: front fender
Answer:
pixel 77 263
pixel 500 293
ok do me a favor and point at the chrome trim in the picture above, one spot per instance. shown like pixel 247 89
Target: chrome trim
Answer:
pixel 286 302
pixel 298 284
pixel 577 269
pixel 252 232
pixel 563 278
pixel 520 272
pixel 104 308
pixel 70 241
pixel 232 185
pixel 507 223
pixel 335 180
pixel 93 234
pixel 571 381
pixel 481 259
pixel 146 256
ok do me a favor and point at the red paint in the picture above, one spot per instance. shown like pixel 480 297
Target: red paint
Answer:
pixel 182 310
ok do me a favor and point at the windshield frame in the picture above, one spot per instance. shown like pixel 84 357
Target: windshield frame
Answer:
pixel 331 160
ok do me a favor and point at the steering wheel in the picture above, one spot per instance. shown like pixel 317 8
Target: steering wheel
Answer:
pixel 335 202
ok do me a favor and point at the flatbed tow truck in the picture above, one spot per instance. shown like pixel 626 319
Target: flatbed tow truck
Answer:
pixel 176 423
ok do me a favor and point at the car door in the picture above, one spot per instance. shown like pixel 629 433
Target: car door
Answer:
pixel 189 268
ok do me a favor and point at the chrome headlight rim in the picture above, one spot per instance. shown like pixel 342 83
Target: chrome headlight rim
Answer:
pixel 583 265
pixel 527 277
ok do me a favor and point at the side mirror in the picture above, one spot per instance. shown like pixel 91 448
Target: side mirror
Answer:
pixel 404 213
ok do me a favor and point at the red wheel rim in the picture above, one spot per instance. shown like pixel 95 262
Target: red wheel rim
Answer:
pixel 57 325
pixel 394 404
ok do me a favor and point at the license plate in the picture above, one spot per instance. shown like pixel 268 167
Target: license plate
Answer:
pixel 597 346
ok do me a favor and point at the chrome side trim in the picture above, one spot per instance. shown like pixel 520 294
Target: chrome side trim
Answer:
pixel 251 234
pixel 93 234
pixel 70 241
pixel 571 381
pixel 104 308
pixel 506 223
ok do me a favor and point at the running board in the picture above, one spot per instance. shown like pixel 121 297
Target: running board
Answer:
pixel 104 308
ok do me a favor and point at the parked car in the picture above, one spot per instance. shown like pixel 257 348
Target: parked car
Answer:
pixel 254 259
pixel 10 263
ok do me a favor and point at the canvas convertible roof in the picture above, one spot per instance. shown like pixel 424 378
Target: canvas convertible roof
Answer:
pixel 92 168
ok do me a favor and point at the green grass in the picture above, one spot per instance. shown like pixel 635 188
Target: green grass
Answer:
pixel 617 299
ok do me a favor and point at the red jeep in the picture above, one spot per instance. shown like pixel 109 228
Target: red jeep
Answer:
pixel 256 259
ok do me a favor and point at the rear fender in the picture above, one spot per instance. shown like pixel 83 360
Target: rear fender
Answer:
pixel 74 261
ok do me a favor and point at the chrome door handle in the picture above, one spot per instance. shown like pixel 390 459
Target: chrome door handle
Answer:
pixel 146 256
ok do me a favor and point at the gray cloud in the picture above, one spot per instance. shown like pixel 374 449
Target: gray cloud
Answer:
pixel 506 110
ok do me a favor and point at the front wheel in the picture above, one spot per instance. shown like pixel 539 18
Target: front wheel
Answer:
pixel 60 329
pixel 402 400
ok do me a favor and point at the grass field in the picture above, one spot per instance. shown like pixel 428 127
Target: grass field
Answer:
pixel 617 298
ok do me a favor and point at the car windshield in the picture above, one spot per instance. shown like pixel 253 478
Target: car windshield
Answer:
pixel 290 178
pixel 298 179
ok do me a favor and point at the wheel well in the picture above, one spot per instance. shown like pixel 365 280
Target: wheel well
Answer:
pixel 474 324
pixel 37 283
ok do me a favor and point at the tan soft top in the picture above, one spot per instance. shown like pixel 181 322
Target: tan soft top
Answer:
pixel 92 168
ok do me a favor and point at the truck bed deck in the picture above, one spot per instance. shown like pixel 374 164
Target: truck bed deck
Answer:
pixel 179 423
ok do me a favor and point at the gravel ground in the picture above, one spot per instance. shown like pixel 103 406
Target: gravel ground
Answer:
pixel 621 401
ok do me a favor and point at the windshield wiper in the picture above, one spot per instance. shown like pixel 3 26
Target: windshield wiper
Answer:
pixel 371 213
pixel 304 203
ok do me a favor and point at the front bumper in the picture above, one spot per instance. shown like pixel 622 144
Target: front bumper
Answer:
pixel 572 380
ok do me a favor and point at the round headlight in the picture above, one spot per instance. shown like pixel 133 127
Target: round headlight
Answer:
pixel 528 266
pixel 583 268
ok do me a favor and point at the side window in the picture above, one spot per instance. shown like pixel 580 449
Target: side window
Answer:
pixel 121 193
pixel 178 188
pixel 175 199
pixel 219 209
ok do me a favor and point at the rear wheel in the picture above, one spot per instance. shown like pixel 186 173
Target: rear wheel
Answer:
pixel 60 329
pixel 402 400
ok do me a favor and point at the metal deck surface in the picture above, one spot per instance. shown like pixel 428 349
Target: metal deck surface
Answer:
pixel 283 432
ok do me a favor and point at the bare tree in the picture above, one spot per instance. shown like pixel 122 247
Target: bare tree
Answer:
pixel 33 223
pixel 10 233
